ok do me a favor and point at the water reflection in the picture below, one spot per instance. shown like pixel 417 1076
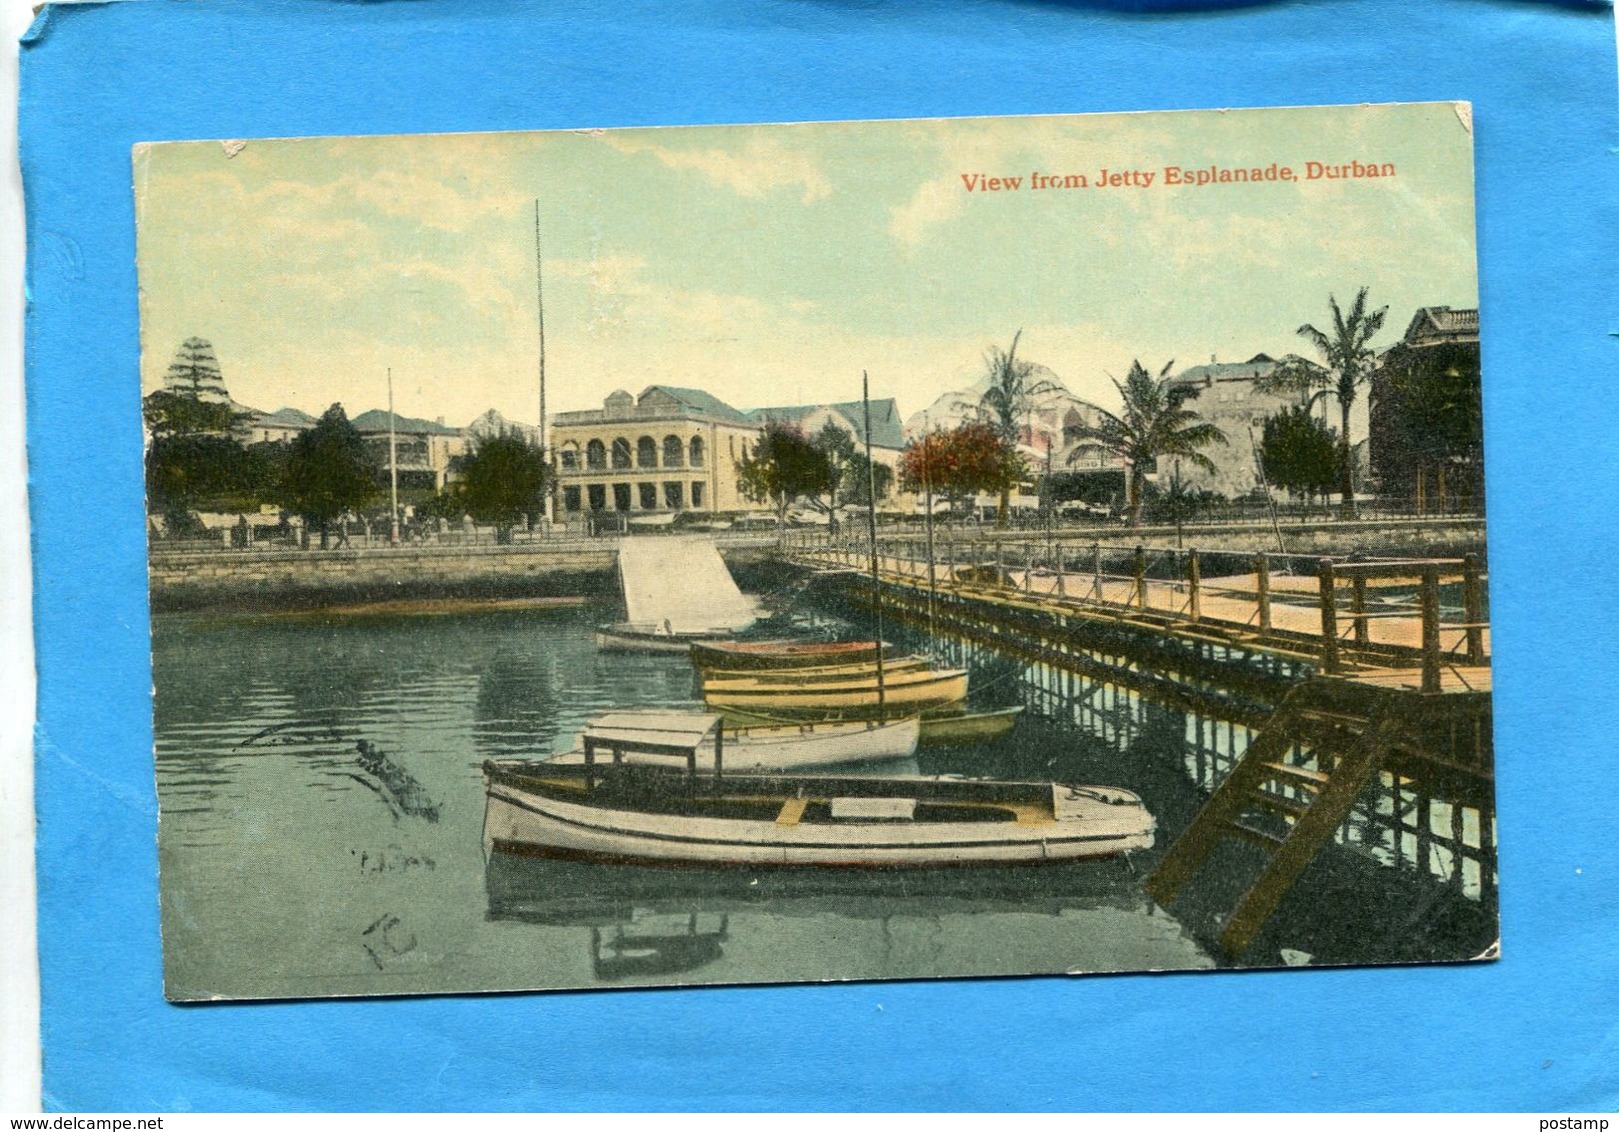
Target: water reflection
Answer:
pixel 655 946
pixel 300 761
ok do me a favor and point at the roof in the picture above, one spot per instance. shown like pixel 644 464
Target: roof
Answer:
pixel 283 417
pixel 1250 370
pixel 886 429
pixel 1431 325
pixel 376 420
pixel 698 401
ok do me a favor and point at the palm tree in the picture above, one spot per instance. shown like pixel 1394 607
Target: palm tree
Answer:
pixel 1349 359
pixel 1152 424
pixel 1009 400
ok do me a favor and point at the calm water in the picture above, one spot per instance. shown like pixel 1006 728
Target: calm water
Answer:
pixel 292 867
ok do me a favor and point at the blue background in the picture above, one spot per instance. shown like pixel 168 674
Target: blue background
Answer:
pixel 1538 1030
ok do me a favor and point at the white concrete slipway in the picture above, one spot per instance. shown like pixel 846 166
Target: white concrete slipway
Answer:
pixel 681 581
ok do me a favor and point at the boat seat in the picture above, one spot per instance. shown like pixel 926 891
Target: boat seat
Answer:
pixel 792 811
pixel 873 809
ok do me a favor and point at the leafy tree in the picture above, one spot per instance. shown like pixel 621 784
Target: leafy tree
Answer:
pixel 849 474
pixel 1350 361
pixel 783 466
pixel 1153 423
pixel 1007 404
pixel 1427 413
pixel 960 463
pixel 328 472
pixel 184 470
pixel 503 478
pixel 171 413
pixel 1176 503
pixel 192 456
pixel 1298 452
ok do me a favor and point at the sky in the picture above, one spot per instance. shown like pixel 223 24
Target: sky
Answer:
pixel 772 264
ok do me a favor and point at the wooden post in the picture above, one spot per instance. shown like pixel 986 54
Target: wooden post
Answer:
pixel 1329 615
pixel 1439 489
pixel 1262 592
pixel 1096 569
pixel 1000 564
pixel 1420 501
pixel 1141 576
pixel 1363 630
pixel 1028 568
pixel 950 558
pixel 719 752
pixel 1473 608
pixel 1194 584
pixel 1062 590
pixel 1430 628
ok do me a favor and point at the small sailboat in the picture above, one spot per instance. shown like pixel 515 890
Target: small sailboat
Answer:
pixel 621 811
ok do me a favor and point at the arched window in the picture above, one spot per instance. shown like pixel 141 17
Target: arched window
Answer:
pixel 674 452
pixel 595 454
pixel 646 453
pixel 570 458
pixel 621 457
pixel 696 451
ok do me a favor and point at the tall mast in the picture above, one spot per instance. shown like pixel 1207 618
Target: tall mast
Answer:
pixel 927 502
pixel 539 306
pixel 393 468
pixel 871 527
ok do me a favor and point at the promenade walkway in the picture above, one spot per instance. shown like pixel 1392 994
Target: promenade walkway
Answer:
pixel 1406 623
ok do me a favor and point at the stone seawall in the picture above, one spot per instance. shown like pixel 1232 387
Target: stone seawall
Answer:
pixel 290 578
pixel 280 579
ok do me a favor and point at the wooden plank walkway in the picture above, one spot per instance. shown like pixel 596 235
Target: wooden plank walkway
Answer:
pixel 1384 618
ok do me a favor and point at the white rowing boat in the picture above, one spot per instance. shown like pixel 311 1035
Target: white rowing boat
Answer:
pixel 625 636
pixel 757 747
pixel 655 815
pixel 620 811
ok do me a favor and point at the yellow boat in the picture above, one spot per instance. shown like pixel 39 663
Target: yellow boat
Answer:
pixel 865 670
pixel 912 689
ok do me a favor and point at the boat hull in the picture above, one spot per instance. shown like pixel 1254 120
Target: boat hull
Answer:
pixel 1086 824
pixel 772 747
pixel 979 727
pixel 914 691
pixel 768 655
pixel 819 744
pixel 821 674
pixel 645 638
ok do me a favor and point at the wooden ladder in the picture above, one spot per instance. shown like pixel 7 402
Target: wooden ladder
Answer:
pixel 1293 826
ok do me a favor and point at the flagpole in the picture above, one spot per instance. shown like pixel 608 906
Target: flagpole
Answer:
pixel 871 526
pixel 393 468
pixel 539 306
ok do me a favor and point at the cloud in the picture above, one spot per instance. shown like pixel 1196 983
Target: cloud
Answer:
pixel 934 203
pixel 756 169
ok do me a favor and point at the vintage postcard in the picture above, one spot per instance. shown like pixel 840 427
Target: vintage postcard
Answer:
pixel 860 550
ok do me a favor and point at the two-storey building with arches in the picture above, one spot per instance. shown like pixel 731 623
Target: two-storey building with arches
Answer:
pixel 668 450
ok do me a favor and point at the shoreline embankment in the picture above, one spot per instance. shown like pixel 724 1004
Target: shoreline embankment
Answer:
pixel 264 580
pixel 255 581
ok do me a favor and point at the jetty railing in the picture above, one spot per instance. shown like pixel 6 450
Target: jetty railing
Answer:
pixel 1349 612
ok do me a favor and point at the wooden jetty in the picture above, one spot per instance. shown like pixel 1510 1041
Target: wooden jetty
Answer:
pixel 1353 671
